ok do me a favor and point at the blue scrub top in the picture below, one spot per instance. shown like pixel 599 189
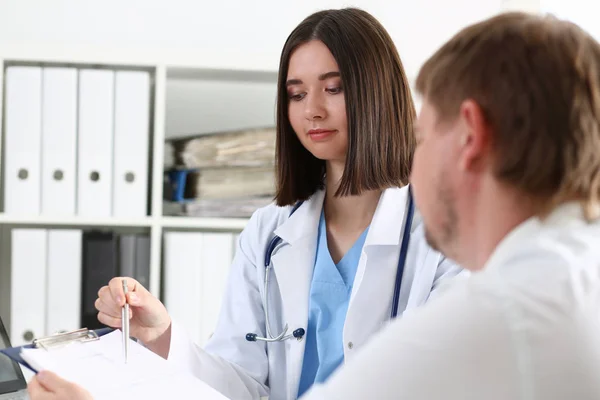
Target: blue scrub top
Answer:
pixel 329 298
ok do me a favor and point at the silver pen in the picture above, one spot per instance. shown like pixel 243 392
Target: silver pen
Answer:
pixel 125 322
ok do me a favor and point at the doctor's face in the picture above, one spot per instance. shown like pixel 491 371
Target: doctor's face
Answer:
pixel 316 105
pixel 434 178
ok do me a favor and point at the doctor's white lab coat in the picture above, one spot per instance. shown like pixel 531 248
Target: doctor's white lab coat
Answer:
pixel 248 370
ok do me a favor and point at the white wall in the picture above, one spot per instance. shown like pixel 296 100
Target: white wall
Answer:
pixel 582 12
pixel 229 34
pixel 522 5
pixel 237 34
pixel 209 106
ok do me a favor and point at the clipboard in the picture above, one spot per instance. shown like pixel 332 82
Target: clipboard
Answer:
pixel 95 361
pixel 54 341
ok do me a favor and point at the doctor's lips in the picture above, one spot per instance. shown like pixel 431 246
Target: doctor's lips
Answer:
pixel 320 134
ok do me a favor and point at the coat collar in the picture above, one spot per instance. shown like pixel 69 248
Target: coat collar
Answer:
pixel 564 217
pixel 304 222
pixel 388 221
pixel 386 225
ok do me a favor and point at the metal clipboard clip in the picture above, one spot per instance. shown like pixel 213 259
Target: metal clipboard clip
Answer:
pixel 62 339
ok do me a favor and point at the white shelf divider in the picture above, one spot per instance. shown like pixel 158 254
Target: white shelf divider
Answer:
pixel 158 143
pixel 36 220
pixel 155 260
pixel 186 223
pixel 2 124
pixel 233 224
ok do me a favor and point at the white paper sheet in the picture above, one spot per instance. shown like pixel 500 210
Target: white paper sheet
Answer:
pixel 99 367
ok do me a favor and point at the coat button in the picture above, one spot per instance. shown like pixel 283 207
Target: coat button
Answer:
pixel 350 345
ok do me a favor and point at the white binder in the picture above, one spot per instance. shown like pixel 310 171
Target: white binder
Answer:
pixel 132 118
pixel 59 141
pixel 63 305
pixel 28 285
pixel 217 254
pixel 95 143
pixel 183 263
pixel 196 270
pixel 23 140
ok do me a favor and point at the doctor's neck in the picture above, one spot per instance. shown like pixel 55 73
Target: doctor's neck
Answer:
pixel 347 212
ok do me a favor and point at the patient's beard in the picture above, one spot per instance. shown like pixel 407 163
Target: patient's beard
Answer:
pixel 443 237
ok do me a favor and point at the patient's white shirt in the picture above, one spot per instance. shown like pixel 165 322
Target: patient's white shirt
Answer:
pixel 525 327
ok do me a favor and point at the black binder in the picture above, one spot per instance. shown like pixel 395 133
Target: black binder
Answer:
pixel 99 266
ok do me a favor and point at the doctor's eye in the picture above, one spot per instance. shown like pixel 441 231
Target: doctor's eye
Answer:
pixel 296 97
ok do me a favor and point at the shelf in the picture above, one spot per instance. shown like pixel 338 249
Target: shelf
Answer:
pixel 204 223
pixel 40 220
pixel 166 222
pixel 207 74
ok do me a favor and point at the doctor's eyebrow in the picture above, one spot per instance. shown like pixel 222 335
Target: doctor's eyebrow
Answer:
pixel 322 77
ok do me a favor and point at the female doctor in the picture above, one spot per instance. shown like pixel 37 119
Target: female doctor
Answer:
pixel 322 270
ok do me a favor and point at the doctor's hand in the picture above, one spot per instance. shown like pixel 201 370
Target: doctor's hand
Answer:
pixel 49 386
pixel 149 320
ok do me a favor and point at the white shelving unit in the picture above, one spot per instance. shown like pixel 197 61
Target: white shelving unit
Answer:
pixel 167 64
pixel 155 222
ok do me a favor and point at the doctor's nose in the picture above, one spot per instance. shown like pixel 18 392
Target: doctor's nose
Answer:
pixel 314 108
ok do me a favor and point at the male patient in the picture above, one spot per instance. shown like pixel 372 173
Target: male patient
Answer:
pixel 507 178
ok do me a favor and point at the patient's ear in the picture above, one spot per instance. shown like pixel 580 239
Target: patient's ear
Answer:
pixel 474 136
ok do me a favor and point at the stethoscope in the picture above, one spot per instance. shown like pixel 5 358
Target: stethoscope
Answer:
pixel 299 333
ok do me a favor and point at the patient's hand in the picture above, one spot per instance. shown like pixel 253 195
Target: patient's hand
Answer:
pixel 49 386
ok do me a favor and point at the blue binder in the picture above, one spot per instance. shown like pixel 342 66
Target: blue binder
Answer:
pixel 178 181
pixel 47 342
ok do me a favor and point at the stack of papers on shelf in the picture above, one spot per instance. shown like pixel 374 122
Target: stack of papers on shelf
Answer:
pixel 226 174
pixel 242 207
pixel 249 148
pixel 228 183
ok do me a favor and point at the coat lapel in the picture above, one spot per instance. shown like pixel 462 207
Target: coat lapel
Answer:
pixel 371 298
pixel 293 263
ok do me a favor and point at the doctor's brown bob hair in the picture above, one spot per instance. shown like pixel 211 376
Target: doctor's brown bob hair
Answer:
pixel 379 108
